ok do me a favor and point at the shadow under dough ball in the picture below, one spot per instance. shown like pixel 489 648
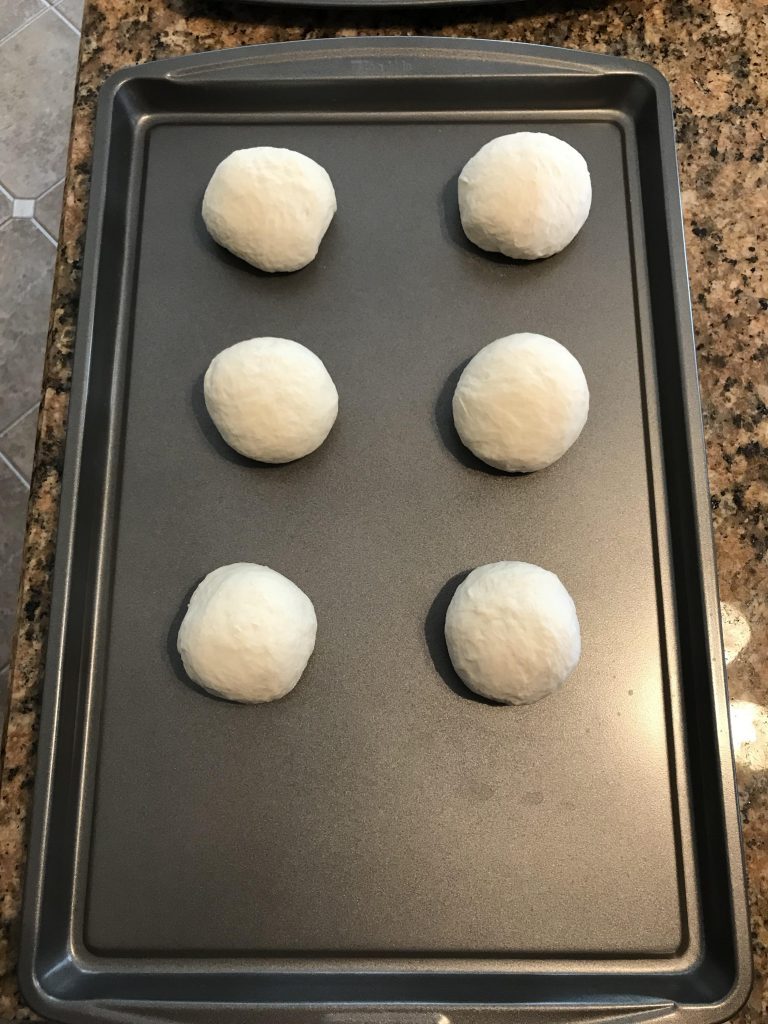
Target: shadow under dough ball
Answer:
pixel 526 195
pixel 512 632
pixel 521 402
pixel 271 207
pixel 248 633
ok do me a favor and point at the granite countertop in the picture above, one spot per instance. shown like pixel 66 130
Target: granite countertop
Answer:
pixel 714 53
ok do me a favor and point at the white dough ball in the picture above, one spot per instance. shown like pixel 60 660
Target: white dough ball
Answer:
pixel 526 195
pixel 248 633
pixel 512 632
pixel 271 207
pixel 521 402
pixel 271 399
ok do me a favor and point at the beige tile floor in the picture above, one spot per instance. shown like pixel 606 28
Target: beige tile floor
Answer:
pixel 38 54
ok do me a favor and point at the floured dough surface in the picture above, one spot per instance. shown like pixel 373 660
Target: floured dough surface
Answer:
pixel 271 399
pixel 269 206
pixel 521 402
pixel 526 195
pixel 512 632
pixel 248 633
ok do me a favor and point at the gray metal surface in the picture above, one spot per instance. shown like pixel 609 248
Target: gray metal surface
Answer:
pixel 380 841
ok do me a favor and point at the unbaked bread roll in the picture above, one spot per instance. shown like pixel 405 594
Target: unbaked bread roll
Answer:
pixel 521 402
pixel 526 195
pixel 271 399
pixel 271 207
pixel 512 632
pixel 248 633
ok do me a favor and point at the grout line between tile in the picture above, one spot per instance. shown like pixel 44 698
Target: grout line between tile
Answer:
pixel 18 420
pixel 66 21
pixel 14 32
pixel 48 190
pixel 46 234
pixel 4 458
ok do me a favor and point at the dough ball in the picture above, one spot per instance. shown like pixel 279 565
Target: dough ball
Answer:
pixel 521 402
pixel 271 207
pixel 512 632
pixel 271 399
pixel 248 633
pixel 526 195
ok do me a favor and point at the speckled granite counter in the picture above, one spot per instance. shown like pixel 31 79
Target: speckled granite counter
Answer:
pixel 714 54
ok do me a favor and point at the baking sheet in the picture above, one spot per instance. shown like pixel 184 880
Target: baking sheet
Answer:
pixel 380 837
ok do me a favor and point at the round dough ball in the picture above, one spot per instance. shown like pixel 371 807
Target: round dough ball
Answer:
pixel 248 633
pixel 271 399
pixel 271 207
pixel 521 402
pixel 512 632
pixel 526 195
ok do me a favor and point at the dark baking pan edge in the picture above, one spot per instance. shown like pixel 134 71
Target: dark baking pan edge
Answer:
pixel 372 5
pixel 50 979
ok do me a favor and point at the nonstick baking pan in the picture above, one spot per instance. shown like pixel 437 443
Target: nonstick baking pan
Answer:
pixel 380 847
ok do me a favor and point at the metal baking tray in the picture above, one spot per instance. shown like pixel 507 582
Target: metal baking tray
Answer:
pixel 380 847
